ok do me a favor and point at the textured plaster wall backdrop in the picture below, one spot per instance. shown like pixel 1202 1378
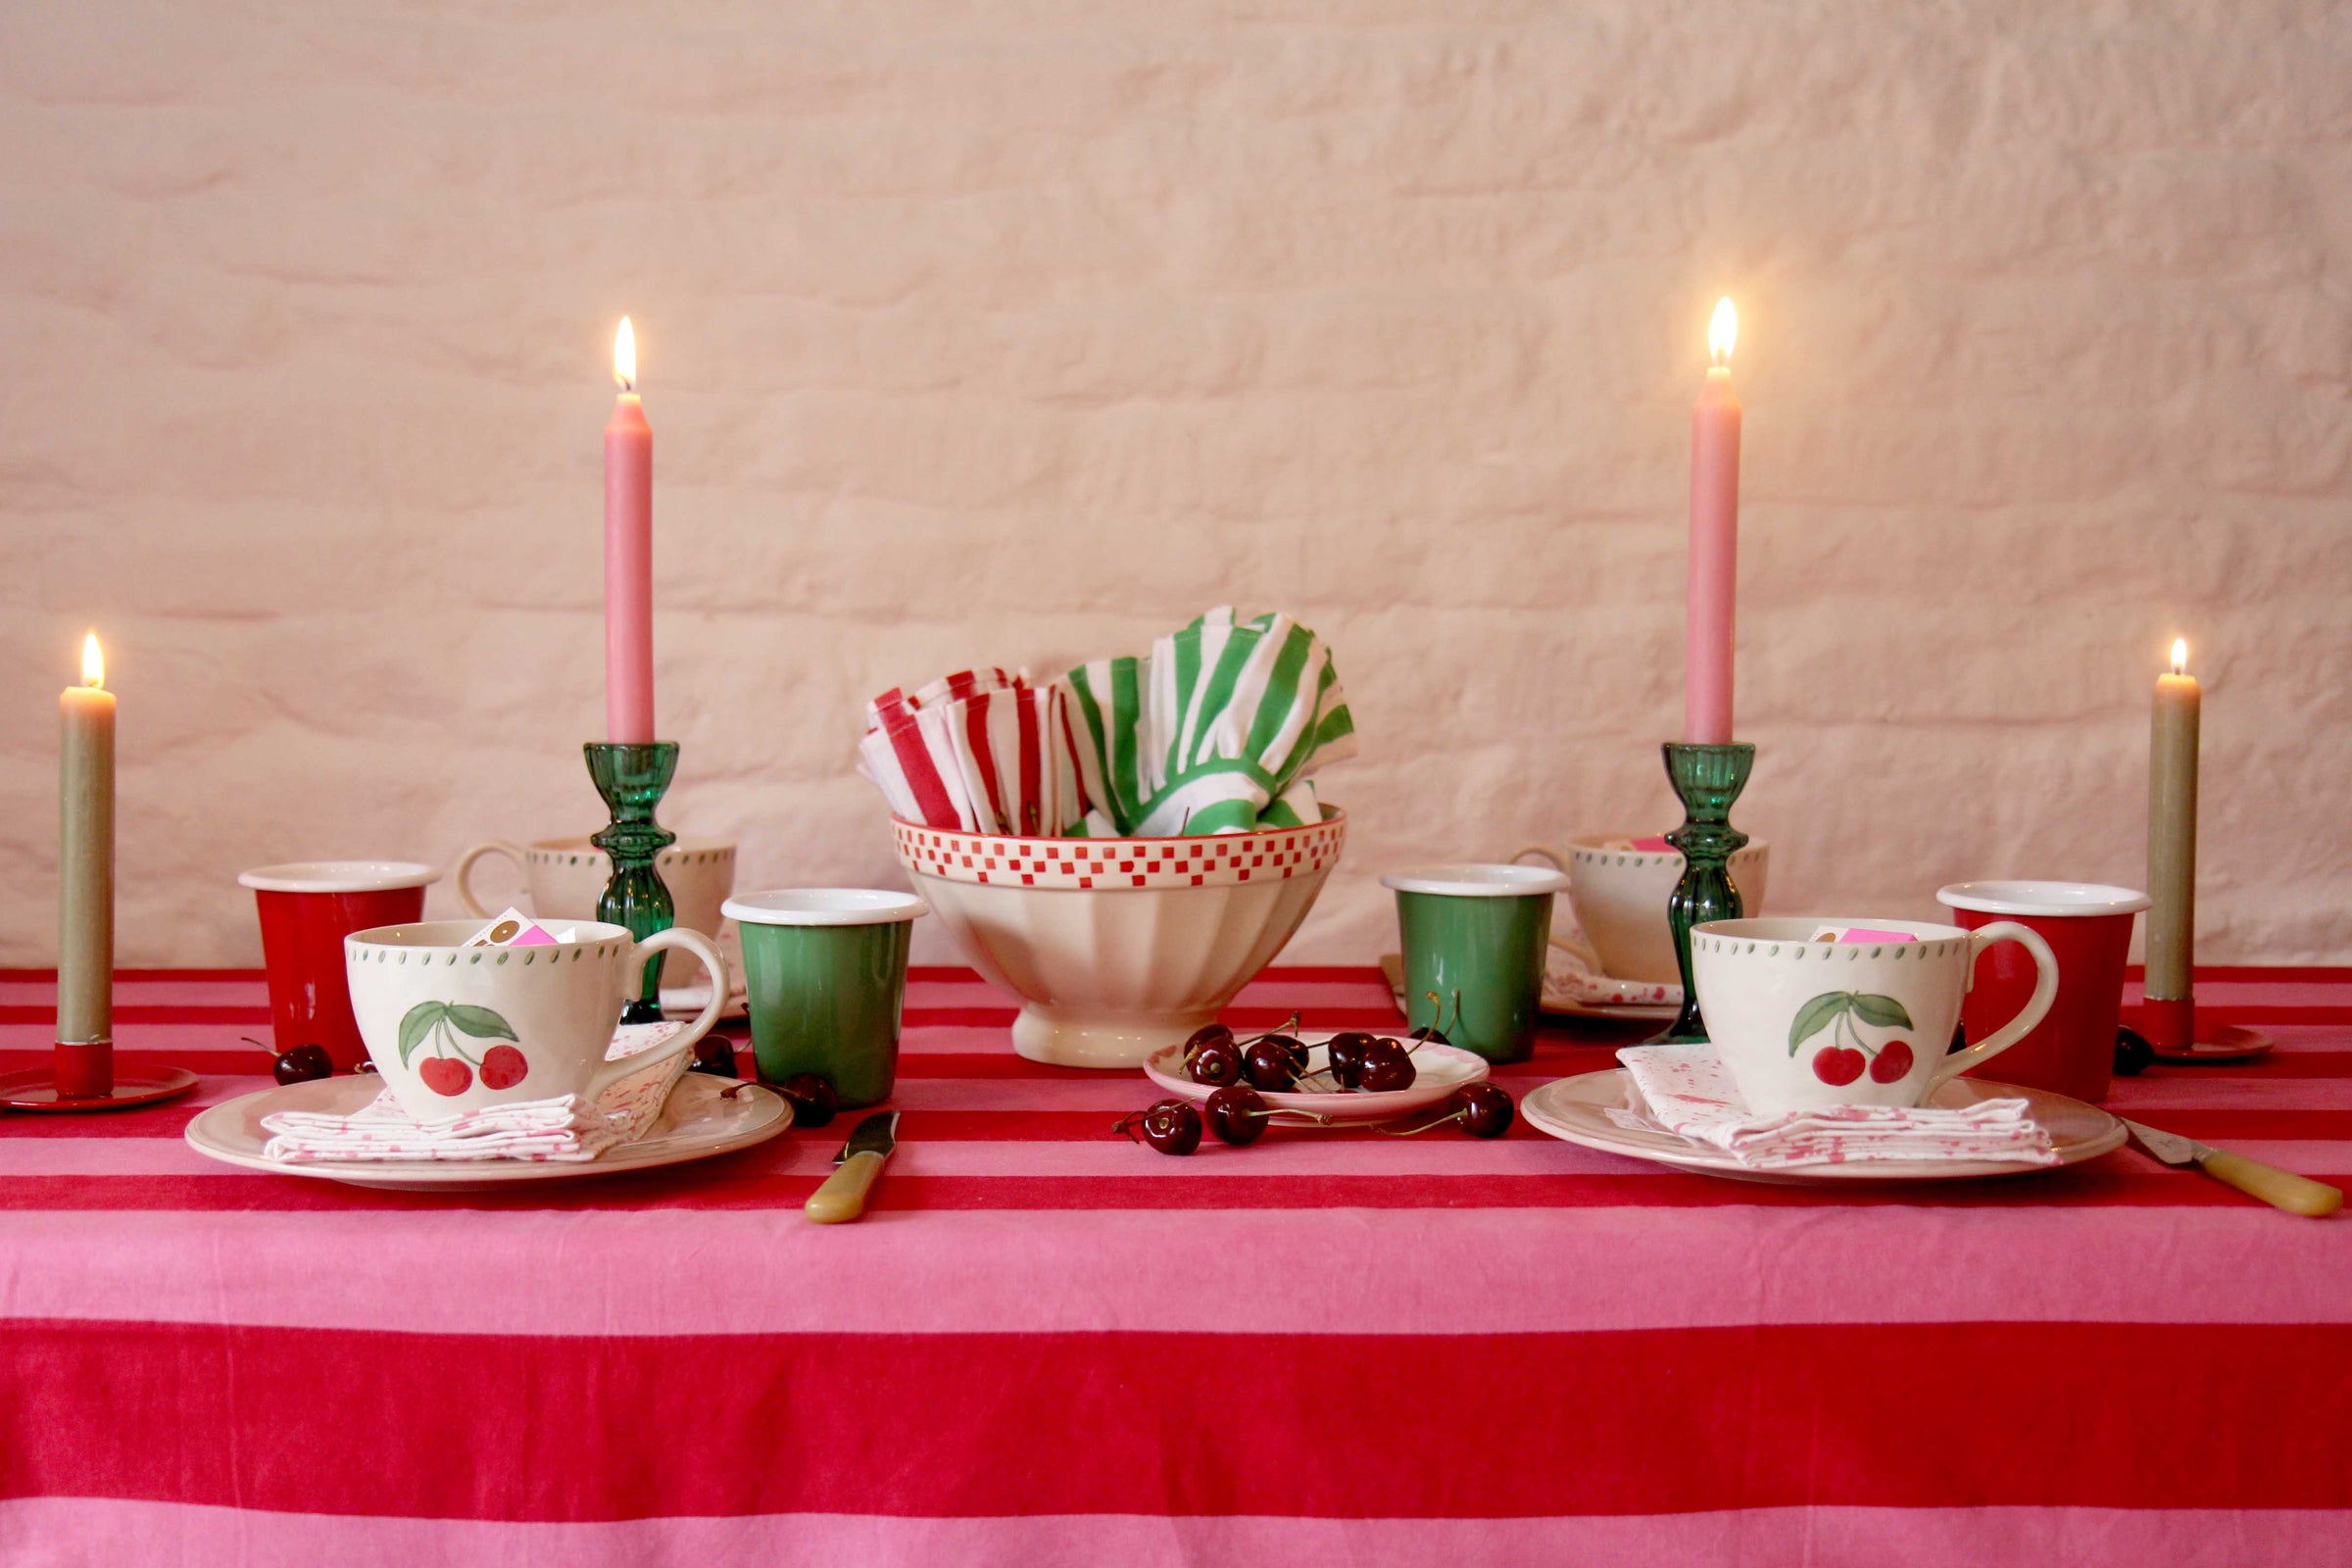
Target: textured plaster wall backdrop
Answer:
pixel 1023 333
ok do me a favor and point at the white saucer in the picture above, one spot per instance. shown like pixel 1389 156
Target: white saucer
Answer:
pixel 1439 1070
pixel 1577 1110
pixel 698 1123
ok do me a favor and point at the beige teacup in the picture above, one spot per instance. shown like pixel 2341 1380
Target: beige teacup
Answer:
pixel 454 1028
pixel 1619 896
pixel 565 877
pixel 1802 1024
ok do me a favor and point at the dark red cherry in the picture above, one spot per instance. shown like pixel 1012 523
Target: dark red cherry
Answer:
pixel 1214 1062
pixel 1296 1047
pixel 1388 1067
pixel 1270 1064
pixel 1171 1126
pixel 1484 1110
pixel 1206 1033
pixel 1237 1115
pixel 301 1065
pixel 1344 1053
pixel 814 1101
pixel 712 1053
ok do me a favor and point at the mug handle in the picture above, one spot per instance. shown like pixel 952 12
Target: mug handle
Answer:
pixel 2045 988
pixel 473 905
pixel 713 961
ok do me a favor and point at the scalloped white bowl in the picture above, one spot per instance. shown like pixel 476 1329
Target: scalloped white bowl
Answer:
pixel 1118 948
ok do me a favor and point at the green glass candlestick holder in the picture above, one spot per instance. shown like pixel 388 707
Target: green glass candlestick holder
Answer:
pixel 1707 780
pixel 631 776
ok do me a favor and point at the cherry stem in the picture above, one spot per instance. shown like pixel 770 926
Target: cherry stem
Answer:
pixel 258 1046
pixel 1289 1026
pixel 1424 1127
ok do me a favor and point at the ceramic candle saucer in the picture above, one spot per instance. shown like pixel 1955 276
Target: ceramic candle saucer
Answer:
pixel 1577 1110
pixel 1439 1071
pixel 698 1120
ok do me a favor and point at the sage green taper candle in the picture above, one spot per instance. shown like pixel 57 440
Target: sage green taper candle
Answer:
pixel 2173 832
pixel 86 857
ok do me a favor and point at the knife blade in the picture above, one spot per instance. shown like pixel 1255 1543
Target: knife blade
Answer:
pixel 2281 1189
pixel 843 1196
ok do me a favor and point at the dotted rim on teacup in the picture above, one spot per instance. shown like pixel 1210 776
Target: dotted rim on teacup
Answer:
pixel 1476 881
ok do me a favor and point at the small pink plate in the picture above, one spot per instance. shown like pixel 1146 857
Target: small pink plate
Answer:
pixel 1440 1071
pixel 36 1090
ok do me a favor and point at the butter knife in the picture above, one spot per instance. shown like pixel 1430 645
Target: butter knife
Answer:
pixel 2281 1189
pixel 843 1196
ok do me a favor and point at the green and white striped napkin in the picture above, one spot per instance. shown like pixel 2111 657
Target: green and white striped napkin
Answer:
pixel 1216 731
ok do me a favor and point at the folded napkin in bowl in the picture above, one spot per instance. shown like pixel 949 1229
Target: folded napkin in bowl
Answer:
pixel 564 1129
pixel 1690 1093
pixel 980 750
pixel 1216 731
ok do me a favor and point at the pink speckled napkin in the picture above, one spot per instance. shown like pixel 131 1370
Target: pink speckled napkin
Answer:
pixel 1689 1093
pixel 564 1129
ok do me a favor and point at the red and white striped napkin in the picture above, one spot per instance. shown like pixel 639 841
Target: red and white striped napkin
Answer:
pixel 977 750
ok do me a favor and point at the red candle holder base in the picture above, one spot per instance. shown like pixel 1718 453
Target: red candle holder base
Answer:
pixel 2174 1034
pixel 37 1089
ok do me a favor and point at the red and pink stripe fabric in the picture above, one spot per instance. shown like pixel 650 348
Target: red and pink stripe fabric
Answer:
pixel 1048 1346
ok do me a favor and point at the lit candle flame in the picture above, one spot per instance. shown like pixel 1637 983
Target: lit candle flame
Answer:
pixel 624 356
pixel 1722 331
pixel 2180 655
pixel 93 662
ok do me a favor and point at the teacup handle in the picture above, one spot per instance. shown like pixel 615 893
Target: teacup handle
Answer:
pixel 1563 939
pixel 473 905
pixel 713 961
pixel 2045 988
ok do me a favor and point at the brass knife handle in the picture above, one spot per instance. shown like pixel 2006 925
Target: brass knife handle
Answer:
pixel 843 1196
pixel 2281 1189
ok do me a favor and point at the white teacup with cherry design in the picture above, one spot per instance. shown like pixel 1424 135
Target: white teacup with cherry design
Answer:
pixel 454 1028
pixel 1802 1024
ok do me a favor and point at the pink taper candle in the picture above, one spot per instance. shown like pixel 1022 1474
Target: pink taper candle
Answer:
pixel 628 554
pixel 1714 543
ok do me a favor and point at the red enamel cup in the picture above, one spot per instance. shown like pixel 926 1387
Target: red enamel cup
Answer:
pixel 307 909
pixel 2089 927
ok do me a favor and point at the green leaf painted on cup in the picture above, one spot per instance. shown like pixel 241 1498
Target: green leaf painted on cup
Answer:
pixel 484 1024
pixel 1882 1012
pixel 416 1023
pixel 1816 1015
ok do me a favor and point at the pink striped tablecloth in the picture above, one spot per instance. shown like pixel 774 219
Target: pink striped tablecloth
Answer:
pixel 1050 1347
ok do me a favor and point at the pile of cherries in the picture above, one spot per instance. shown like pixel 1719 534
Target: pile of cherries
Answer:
pixel 1277 1060
pixel 1237 1070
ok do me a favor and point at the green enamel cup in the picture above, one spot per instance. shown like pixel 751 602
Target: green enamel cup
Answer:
pixel 1476 935
pixel 825 973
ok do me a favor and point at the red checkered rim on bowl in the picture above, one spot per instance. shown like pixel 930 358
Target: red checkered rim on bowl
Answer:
pixel 1221 860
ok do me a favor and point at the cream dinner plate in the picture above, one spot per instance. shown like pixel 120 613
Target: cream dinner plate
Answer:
pixel 699 1121
pixel 1437 1071
pixel 1577 1108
